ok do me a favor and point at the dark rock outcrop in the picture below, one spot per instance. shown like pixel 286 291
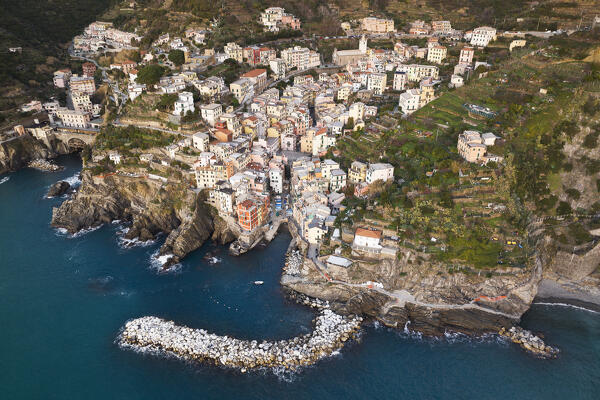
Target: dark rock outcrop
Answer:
pixel 150 206
pixel 17 153
pixel 58 189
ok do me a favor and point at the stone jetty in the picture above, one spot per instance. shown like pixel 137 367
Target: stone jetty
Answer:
pixel 154 334
pixel 530 342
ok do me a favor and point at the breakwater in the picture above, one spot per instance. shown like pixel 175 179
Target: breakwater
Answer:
pixel 155 334
pixel 530 342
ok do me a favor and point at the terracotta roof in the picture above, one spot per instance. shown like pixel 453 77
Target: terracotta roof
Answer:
pixel 254 73
pixel 372 233
pixel 247 204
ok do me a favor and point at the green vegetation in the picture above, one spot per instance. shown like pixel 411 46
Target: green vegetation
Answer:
pixel 131 137
pixel 230 70
pixel 177 57
pixel 41 31
pixel 150 74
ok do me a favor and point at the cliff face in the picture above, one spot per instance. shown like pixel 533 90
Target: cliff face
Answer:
pixel 151 207
pixel 17 153
pixel 431 298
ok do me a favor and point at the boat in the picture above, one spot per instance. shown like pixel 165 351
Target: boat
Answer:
pixel 258 282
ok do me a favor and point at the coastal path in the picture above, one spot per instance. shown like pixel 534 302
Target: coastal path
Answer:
pixel 401 297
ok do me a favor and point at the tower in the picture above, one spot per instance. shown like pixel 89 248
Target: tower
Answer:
pixel 362 45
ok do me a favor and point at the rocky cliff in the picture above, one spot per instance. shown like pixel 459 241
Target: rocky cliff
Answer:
pixel 432 298
pixel 150 206
pixel 17 153
pixel 428 296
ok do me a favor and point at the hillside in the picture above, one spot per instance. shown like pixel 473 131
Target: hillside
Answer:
pixel 42 29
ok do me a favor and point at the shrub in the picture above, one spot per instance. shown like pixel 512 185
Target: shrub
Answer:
pixel 573 193
pixel 150 74
pixel 177 57
pixel 563 208
pixel 591 140
pixel 579 233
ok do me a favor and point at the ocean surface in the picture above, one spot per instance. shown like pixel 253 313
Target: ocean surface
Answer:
pixel 63 300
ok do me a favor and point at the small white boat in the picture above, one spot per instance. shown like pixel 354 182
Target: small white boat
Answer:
pixel 258 282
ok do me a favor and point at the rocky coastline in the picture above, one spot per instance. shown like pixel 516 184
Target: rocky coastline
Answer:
pixel 530 342
pixel 18 153
pixel 150 207
pixel 44 165
pixel 331 331
pixel 58 189
pixel 432 301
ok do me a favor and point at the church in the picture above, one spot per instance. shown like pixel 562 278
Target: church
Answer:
pixel 345 57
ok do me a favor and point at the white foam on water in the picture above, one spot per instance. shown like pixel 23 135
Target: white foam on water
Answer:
pixel 157 263
pixel 567 305
pixel 4 180
pixel 125 243
pixel 74 180
pixel 85 231
pixel 65 233
pixel 62 232
pixel 214 260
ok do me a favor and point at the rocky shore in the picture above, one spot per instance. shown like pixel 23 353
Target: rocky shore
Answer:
pixel 44 165
pixel 17 153
pixel 58 189
pixel 154 334
pixel 530 342
pixel 150 207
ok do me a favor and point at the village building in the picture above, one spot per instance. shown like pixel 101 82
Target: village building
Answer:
pixel 377 25
pixel 437 54
pixel 211 113
pixel 482 36
pixel 409 101
pixel 348 57
pixel 367 240
pixel 184 104
pixel 400 80
pixel 379 171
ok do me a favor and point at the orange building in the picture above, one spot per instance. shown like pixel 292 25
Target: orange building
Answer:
pixel 248 215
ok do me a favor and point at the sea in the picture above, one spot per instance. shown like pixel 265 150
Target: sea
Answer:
pixel 64 298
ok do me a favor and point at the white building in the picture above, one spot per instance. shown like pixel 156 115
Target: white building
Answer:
pixel 377 83
pixel 337 180
pixel 380 171
pixel 114 157
pixel 367 239
pixel 184 103
pixel 456 81
pixel 278 66
pixel 276 180
pixel 409 101
pixel 466 55
pixel 482 36
pixel 300 57
pixel 399 80
pixel 211 112
pixel 200 141
pixel 72 118
pixel 417 72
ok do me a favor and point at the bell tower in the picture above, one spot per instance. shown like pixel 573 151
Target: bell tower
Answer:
pixel 362 45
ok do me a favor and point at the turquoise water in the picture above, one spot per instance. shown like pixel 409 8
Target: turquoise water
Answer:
pixel 63 300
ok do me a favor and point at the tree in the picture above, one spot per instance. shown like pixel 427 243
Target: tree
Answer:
pixel 150 74
pixel 177 57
